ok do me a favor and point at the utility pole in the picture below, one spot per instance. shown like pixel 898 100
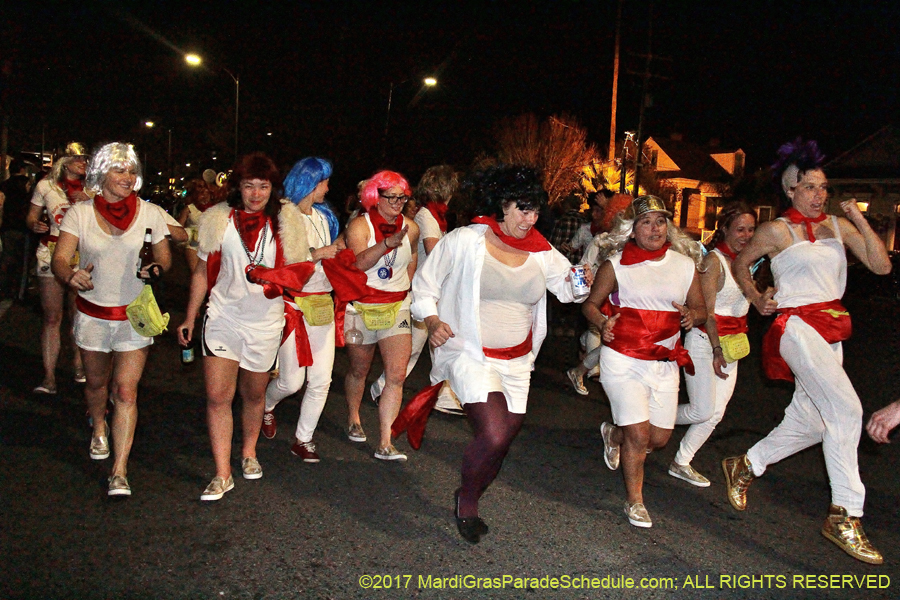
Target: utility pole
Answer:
pixel 615 86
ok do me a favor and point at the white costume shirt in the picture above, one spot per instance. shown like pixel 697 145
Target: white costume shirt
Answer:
pixel 317 236
pixel 809 273
pixel 115 257
pixel 428 228
pixel 399 280
pixel 49 195
pixel 449 285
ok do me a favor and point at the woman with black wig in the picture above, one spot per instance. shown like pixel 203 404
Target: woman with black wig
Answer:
pixel 482 294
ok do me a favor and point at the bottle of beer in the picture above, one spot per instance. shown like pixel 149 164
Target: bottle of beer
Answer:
pixel 45 217
pixel 146 256
pixel 188 353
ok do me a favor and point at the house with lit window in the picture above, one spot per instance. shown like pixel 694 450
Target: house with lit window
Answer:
pixel 698 179
pixel 870 172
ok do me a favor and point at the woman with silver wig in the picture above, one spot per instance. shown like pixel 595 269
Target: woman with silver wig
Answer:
pixel 54 196
pixel 645 292
pixel 108 233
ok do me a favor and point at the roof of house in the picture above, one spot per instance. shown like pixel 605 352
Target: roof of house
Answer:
pixel 876 157
pixel 693 162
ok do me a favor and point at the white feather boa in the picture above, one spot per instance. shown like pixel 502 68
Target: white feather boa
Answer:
pixel 291 231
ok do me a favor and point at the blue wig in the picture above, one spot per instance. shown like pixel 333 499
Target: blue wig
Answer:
pixel 304 177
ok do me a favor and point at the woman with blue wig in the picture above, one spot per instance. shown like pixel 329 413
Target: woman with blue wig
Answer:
pixel 309 317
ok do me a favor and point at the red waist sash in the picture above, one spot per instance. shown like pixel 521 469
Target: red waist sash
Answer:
pixel 47 239
pixel 637 332
pixel 374 296
pixel 830 320
pixel 729 325
pixel 511 352
pixel 107 313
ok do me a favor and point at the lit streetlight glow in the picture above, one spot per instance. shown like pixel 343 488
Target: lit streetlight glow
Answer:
pixel 430 81
pixel 193 59
pixel 149 124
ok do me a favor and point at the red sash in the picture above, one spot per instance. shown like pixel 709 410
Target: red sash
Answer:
pixel 293 323
pixel 830 320
pixel 638 330
pixel 729 325
pixel 349 284
pixel 107 313
pixel 510 353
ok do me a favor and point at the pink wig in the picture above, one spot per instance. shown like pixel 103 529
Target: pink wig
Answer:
pixel 380 181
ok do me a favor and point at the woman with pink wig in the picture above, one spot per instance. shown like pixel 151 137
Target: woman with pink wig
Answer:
pixel 383 241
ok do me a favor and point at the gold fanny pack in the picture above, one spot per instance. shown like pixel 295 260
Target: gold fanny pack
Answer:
pixel 144 314
pixel 735 346
pixel 317 309
pixel 378 316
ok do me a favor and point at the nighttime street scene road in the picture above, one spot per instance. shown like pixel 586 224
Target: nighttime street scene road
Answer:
pixel 572 299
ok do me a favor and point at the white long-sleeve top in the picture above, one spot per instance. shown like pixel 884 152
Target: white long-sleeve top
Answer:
pixel 449 285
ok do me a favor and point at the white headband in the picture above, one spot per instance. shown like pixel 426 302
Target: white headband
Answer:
pixel 790 178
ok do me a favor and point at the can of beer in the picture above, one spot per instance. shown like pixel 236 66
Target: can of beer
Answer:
pixel 580 286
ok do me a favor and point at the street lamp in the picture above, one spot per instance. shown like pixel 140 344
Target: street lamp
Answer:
pixel 427 82
pixel 195 61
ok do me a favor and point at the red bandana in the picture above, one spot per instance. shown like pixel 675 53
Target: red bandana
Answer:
pixel 119 214
pixel 249 225
pixel 71 187
pixel 532 242
pixel 439 211
pixel 726 250
pixel 382 228
pixel 633 254
pixel 795 216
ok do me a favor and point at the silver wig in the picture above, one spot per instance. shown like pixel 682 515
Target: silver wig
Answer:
pixel 613 242
pixel 108 157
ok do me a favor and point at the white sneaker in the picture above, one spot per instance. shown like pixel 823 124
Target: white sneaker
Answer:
pixel 389 453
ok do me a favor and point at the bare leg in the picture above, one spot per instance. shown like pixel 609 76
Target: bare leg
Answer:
pixel 98 370
pixel 634 441
pixel 221 381
pixel 395 352
pixel 52 294
pixel 252 387
pixel 360 356
pixel 127 370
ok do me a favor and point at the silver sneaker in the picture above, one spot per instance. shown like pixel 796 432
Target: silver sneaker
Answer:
pixel 118 486
pixel 389 453
pixel 217 488
pixel 251 468
pixel 355 433
pixel 610 452
pixel 577 381
pixel 687 473
pixel 637 514
pixel 100 445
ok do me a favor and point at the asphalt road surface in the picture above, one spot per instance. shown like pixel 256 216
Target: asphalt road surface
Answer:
pixel 355 527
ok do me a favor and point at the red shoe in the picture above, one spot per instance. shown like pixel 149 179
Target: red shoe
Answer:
pixel 269 425
pixel 306 451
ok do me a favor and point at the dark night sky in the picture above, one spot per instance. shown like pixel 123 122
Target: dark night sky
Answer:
pixel 753 74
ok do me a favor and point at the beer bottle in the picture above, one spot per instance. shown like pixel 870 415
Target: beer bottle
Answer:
pixel 188 352
pixel 146 256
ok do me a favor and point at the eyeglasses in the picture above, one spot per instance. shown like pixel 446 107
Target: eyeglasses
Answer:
pixel 401 199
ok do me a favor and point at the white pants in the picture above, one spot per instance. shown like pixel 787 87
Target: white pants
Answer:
pixel 825 408
pixel 708 396
pixel 446 399
pixel 291 377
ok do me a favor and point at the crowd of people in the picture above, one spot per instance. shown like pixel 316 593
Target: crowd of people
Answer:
pixel 276 286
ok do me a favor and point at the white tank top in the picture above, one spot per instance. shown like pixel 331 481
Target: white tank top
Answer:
pixel 809 273
pixel 508 295
pixel 389 274
pixel 654 285
pixel 317 236
pixel 730 300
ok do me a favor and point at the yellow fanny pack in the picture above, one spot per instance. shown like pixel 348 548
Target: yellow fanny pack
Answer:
pixel 735 346
pixel 378 316
pixel 317 309
pixel 72 263
pixel 144 314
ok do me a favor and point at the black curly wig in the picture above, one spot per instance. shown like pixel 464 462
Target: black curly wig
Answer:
pixel 493 188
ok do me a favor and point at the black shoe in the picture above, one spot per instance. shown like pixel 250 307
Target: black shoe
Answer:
pixel 470 528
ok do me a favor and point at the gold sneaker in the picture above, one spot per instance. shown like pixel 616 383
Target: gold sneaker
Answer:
pixel 738 477
pixel 847 534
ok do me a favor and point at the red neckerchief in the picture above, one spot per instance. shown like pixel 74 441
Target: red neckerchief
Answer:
pixel 439 211
pixel 726 250
pixel 595 229
pixel 119 214
pixel 71 187
pixel 249 225
pixel 532 242
pixel 633 254
pixel 382 228
pixel 795 216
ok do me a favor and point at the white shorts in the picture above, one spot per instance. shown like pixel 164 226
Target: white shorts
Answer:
pixel 402 325
pixel 43 261
pixel 639 390
pixel 512 378
pixel 99 335
pixel 254 350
